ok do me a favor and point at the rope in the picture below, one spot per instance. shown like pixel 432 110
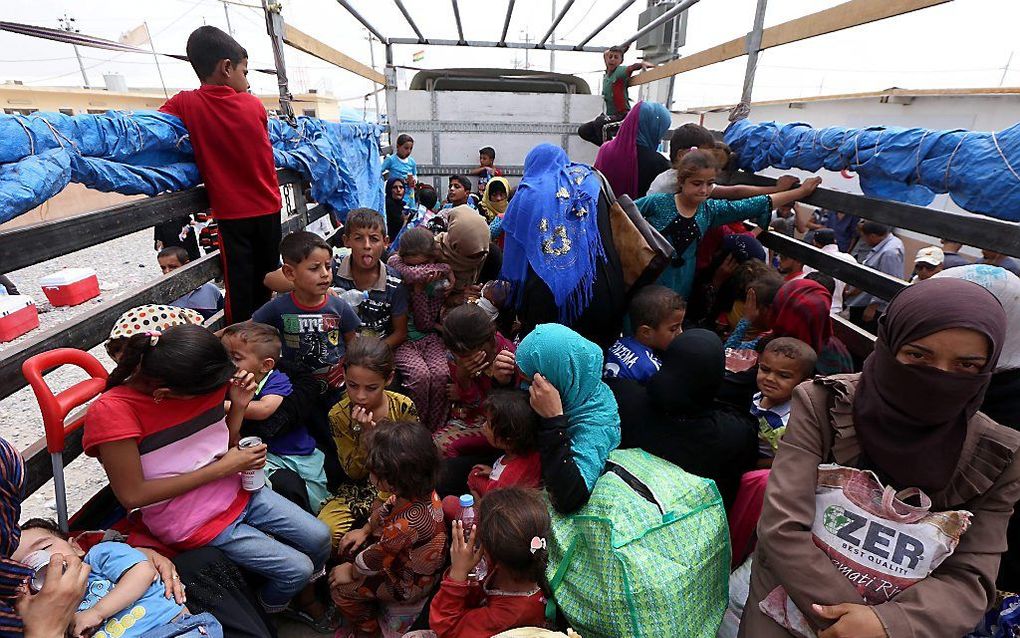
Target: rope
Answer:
pixel 28 134
pixel 740 112
pixel 945 180
pixel 1003 156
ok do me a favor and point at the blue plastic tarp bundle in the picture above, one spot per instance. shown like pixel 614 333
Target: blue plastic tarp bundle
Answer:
pixel 980 171
pixel 147 153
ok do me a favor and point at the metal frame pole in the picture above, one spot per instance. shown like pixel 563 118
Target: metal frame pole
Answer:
pixel 753 49
pixel 506 22
pixel 410 21
pixel 361 19
pixel 556 23
pixel 274 26
pixel 392 123
pixel 598 30
pixel 668 15
pixel 460 27
pixel 59 488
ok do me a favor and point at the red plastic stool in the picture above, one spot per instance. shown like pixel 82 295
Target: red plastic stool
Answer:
pixel 56 407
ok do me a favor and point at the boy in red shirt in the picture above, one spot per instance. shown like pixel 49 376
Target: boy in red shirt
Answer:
pixel 229 133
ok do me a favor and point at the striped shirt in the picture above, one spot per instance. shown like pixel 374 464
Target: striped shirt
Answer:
pixel 174 436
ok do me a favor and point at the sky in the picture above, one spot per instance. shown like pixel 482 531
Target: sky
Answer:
pixel 963 43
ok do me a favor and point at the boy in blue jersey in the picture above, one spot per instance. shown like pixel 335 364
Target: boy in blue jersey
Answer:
pixel 656 315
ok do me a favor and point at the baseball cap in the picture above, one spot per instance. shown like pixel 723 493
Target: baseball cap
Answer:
pixel 931 255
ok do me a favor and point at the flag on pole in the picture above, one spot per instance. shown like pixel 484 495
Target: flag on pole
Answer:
pixel 418 56
pixel 137 36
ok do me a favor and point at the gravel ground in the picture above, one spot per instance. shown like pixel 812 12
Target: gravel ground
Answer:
pixel 121 264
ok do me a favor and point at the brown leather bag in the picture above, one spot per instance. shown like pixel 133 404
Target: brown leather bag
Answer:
pixel 644 252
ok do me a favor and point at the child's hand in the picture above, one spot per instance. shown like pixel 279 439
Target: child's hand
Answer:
pixel 464 555
pixel 242 389
pixel 724 271
pixel 362 417
pixel 481 471
pixel 786 182
pixel 240 459
pixel 809 185
pixel 341 575
pixel 475 364
pixel 86 622
pixel 411 181
pixel 353 540
pixel 545 398
pixel 503 367
pixel 859 621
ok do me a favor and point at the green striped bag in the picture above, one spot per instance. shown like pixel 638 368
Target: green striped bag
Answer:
pixel 648 556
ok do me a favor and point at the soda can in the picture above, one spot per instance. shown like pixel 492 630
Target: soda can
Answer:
pixel 252 480
pixel 38 561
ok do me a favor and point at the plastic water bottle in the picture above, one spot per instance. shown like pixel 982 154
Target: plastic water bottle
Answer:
pixel 468 518
pixel 354 297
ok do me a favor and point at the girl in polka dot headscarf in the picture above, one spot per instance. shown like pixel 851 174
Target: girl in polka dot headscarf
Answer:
pixel 148 318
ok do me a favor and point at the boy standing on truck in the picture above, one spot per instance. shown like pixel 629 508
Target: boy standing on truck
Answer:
pixel 614 94
pixel 229 133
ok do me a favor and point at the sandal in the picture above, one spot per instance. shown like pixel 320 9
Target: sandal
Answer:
pixel 325 624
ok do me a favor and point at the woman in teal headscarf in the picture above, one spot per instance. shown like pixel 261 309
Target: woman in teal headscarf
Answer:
pixel 580 423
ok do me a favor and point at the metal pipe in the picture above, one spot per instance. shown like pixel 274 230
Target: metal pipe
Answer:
pixel 274 27
pixel 456 16
pixel 357 16
pixel 59 488
pixel 410 21
pixel 598 29
pixel 556 23
pixel 508 45
pixel 506 23
pixel 654 24
pixel 753 48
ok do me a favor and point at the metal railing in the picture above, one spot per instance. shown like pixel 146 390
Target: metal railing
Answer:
pixel 34 244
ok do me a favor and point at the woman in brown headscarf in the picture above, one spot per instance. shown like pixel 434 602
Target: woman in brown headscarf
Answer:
pixel 464 246
pixel 912 418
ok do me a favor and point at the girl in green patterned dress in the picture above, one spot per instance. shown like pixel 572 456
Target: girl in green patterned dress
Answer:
pixel 686 216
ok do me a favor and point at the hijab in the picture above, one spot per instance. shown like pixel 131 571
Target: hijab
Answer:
pixel 551 225
pixel 1006 288
pixel 12 574
pixel 692 370
pixel 464 245
pixel 394 208
pixel 573 365
pixel 653 122
pixel 495 209
pixel 911 419
pixel 617 159
pixel 743 246
pixel 801 310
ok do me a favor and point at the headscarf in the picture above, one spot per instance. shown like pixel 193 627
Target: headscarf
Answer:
pixel 692 370
pixel 801 310
pixel 1006 288
pixel 394 208
pixel 617 158
pixel 653 122
pixel 12 574
pixel 911 419
pixel 152 317
pixel 552 226
pixel 494 209
pixel 573 365
pixel 464 245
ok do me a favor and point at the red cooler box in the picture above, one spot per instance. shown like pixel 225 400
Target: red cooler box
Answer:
pixel 17 316
pixel 70 286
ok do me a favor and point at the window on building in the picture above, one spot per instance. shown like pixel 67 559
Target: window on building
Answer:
pixel 309 112
pixel 20 111
pixel 67 111
pixel 97 111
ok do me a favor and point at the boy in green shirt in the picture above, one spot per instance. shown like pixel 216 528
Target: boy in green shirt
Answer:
pixel 614 93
